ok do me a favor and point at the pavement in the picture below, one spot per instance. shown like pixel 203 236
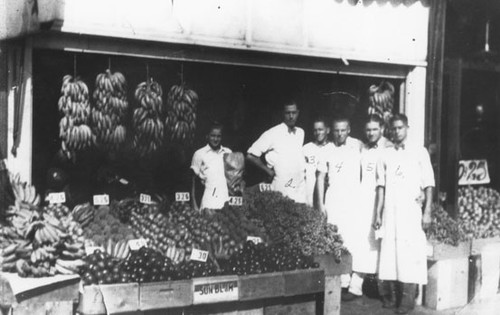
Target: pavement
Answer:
pixel 373 306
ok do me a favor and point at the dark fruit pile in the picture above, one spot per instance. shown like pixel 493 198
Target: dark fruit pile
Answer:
pixel 148 265
pixel 444 229
pixel 123 209
pixel 479 211
pixel 193 269
pixel 255 259
pixel 103 269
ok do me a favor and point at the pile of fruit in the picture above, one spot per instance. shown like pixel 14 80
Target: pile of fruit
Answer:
pixel 479 211
pixel 74 105
pixel 444 229
pixel 180 123
pixel 106 226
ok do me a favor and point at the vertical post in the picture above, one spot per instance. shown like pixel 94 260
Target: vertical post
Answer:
pixel 415 103
pixel 3 99
pixel 332 295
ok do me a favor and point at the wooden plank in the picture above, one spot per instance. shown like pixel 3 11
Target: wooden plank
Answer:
pixel 91 302
pixel 332 295
pixel 297 305
pixel 439 251
pixel 157 295
pixel 490 271
pixel 261 286
pixel 332 267
pixel 300 282
pixel 120 298
pixel 474 276
pixel 228 308
pixel 447 285
pixel 478 245
pixel 215 289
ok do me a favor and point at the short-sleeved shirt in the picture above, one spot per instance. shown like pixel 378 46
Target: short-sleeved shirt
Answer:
pixel 208 165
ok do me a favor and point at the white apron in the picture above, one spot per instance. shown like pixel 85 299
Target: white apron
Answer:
pixel 289 176
pixel 313 154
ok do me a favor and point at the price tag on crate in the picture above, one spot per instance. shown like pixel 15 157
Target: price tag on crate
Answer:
pixel 264 187
pixel 199 255
pixel 59 197
pixel 255 239
pixel 101 200
pixel 89 250
pixel 182 197
pixel 137 244
pixel 473 172
pixel 145 198
pixel 235 201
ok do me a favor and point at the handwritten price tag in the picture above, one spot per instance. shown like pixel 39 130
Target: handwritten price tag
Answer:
pixel 199 255
pixel 473 172
pixel 89 250
pixel 145 198
pixel 137 244
pixel 59 197
pixel 101 200
pixel 182 196
pixel 235 201
pixel 255 239
pixel 264 187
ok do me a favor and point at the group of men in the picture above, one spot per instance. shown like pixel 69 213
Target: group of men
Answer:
pixel 377 192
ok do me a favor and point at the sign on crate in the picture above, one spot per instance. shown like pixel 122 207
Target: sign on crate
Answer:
pixel 101 200
pixel 473 172
pixel 215 291
pixel 199 255
pixel 137 244
pixel 235 201
pixel 182 196
pixel 59 197
pixel 145 198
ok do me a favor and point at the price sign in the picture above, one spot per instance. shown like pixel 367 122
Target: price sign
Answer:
pixel 89 250
pixel 182 196
pixel 123 181
pixel 264 187
pixel 235 201
pixel 199 255
pixel 255 239
pixel 145 198
pixel 223 290
pixel 101 200
pixel 473 172
pixel 59 197
pixel 137 244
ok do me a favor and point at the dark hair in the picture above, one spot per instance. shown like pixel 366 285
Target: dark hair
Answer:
pixel 215 125
pixel 320 119
pixel 375 118
pixel 399 117
pixel 289 102
pixel 341 119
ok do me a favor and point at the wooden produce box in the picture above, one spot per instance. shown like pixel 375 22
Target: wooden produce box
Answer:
pixel 440 251
pixel 215 289
pixel 33 296
pixel 484 268
pixel 333 268
pixel 261 286
pixel 109 299
pixel 478 245
pixel 168 294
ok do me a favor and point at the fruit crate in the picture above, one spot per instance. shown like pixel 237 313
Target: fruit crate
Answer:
pixel 440 251
pixel 33 296
pixel 109 299
pixel 484 268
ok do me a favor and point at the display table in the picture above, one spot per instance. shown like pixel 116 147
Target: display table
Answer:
pixel 32 296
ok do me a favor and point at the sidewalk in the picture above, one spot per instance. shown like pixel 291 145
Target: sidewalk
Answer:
pixel 371 306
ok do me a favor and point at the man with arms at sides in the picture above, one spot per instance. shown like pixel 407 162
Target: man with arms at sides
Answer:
pixel 405 182
pixel 208 166
pixel 282 147
pixel 313 152
pixel 342 164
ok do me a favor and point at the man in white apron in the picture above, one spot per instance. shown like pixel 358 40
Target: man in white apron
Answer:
pixel 208 165
pixel 405 182
pixel 342 164
pixel 282 147
pixel 313 152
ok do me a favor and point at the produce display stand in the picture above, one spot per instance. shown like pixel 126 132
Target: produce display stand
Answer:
pixel 289 292
pixel 448 275
pixel 51 295
pixel 484 268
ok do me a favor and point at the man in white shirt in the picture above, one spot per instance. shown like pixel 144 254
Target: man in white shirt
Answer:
pixel 313 153
pixel 208 166
pixel 282 147
pixel 405 182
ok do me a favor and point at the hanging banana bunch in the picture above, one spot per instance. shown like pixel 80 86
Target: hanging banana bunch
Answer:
pixel 180 122
pixel 74 104
pixel 146 121
pixel 110 110
pixel 381 100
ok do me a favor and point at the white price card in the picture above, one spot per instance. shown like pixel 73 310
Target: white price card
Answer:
pixel 235 201
pixel 224 289
pixel 199 255
pixel 137 244
pixel 254 239
pixel 145 198
pixel 182 196
pixel 59 197
pixel 473 172
pixel 101 200
pixel 123 181
pixel 89 250
pixel 264 187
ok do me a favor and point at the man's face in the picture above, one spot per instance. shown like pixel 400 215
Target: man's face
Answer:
pixel 399 131
pixel 373 131
pixel 290 115
pixel 215 138
pixel 341 131
pixel 320 132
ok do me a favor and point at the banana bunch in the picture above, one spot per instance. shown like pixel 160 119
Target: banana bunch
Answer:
pixel 72 251
pixel 8 236
pixel 69 267
pixel 42 254
pixel 176 255
pixel 118 249
pixel 180 123
pixel 43 232
pixel 109 110
pixel 83 214
pixel 74 105
pixel 147 118
pixel 381 100
pixel 8 257
pixel 24 192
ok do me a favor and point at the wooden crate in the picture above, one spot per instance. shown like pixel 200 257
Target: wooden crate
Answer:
pixel 109 299
pixel 261 286
pixel 478 245
pixel 484 265
pixel 168 294
pixel 438 251
pixel 300 282
pixel 332 267
pixel 215 289
pixel 293 305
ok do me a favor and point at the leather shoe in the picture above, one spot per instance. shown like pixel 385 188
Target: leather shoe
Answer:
pixel 348 296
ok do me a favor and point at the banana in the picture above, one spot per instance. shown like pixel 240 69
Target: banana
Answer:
pixel 7 251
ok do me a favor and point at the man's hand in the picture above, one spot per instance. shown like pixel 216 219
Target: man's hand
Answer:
pixel 377 223
pixel 426 220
